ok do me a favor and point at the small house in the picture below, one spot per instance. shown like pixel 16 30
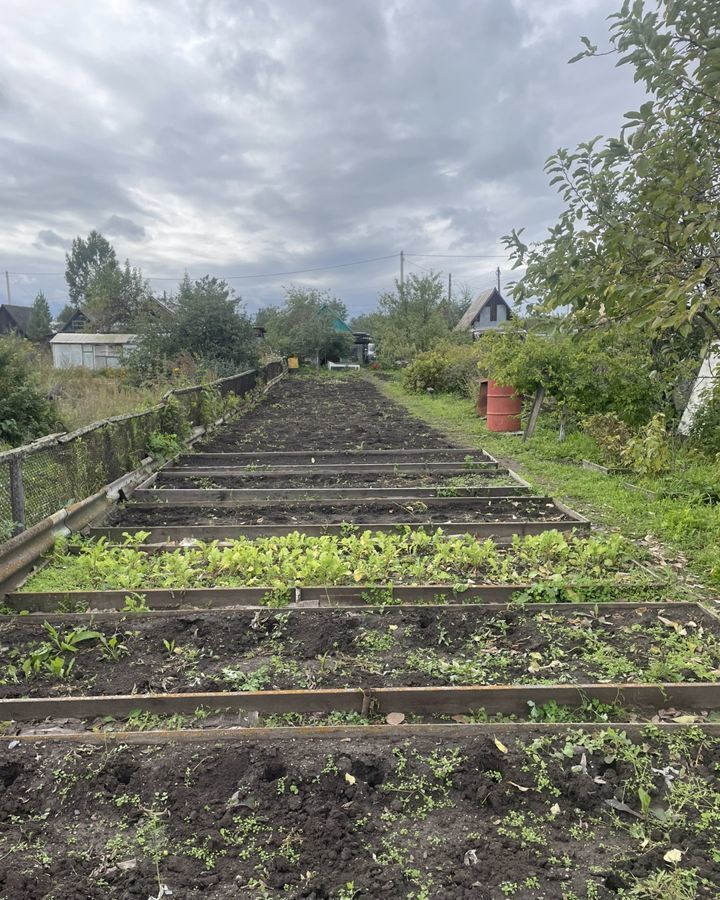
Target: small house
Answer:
pixel 14 319
pixel 488 310
pixel 91 351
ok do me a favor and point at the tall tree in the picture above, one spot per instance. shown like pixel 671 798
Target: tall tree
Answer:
pixel 639 240
pixel 411 318
pixel 307 324
pixel 204 320
pixel 40 320
pixel 85 259
pixel 118 298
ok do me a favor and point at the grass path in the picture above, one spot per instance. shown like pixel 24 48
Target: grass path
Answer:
pixel 682 533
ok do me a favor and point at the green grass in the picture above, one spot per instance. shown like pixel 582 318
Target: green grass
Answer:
pixel 679 516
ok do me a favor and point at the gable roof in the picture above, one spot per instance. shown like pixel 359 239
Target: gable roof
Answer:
pixel 20 314
pixel 473 311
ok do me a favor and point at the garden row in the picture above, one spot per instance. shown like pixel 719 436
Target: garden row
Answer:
pixel 431 680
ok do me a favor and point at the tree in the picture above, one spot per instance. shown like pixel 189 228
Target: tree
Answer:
pixel 86 258
pixel 203 320
pixel 118 298
pixel 639 240
pixel 411 318
pixel 25 413
pixel 308 324
pixel 40 321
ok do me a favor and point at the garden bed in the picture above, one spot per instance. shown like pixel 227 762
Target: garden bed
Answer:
pixel 464 814
pixel 552 560
pixel 333 648
pixel 307 413
pixel 461 479
pixel 381 511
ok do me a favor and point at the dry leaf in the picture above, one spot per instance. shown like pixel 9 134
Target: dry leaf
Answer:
pixel 395 718
pixel 555 810
pixel 673 856
pixel 520 787
pixel 351 779
pixel 499 744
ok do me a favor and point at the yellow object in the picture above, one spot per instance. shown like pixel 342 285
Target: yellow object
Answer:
pixel 293 362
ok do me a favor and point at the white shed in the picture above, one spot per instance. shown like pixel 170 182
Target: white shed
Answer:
pixel 92 351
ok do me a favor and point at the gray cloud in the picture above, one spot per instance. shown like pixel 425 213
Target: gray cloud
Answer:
pixel 46 237
pixel 283 134
pixel 120 226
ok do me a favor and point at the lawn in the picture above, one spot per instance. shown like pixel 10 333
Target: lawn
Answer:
pixel 677 515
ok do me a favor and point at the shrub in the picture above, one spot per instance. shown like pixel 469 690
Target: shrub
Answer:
pixel 609 432
pixel 705 429
pixel 173 419
pixel 163 446
pixel 446 369
pixel 650 451
pixel 25 414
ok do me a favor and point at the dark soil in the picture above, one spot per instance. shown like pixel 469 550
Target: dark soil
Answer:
pixel 387 647
pixel 387 511
pixel 466 817
pixel 332 480
pixel 325 414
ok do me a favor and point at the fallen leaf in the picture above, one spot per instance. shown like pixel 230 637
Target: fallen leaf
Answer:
pixel 395 718
pixel 520 787
pixel 351 779
pixel 673 856
pixel 471 858
pixel 555 810
pixel 499 744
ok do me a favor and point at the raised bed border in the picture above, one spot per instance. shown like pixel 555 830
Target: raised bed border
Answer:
pixel 451 468
pixel 236 496
pixel 440 700
pixel 241 458
pixel 223 597
pixel 170 536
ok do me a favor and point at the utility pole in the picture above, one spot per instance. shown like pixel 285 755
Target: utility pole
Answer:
pixel 7 282
pixel 402 269
pixel 449 298
pixel 498 279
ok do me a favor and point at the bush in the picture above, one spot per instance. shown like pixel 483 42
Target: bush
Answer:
pixel 650 451
pixel 25 413
pixel 447 369
pixel 705 429
pixel 173 419
pixel 610 433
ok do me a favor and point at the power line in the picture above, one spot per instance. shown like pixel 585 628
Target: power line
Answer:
pixel 357 262
pixel 458 255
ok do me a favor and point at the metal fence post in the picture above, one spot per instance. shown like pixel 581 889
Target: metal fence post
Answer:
pixel 17 494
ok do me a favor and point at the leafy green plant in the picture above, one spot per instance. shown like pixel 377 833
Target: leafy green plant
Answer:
pixel 162 445
pixel 650 451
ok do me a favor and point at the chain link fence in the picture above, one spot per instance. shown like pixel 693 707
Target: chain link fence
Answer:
pixel 38 479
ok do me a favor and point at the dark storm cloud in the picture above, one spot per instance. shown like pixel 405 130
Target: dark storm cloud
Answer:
pixel 282 134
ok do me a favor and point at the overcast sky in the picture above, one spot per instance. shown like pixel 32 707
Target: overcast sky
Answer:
pixel 237 137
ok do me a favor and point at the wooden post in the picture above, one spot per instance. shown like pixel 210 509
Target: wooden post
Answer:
pixel 534 413
pixel 17 494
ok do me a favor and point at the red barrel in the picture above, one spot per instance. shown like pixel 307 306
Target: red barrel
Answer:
pixel 503 408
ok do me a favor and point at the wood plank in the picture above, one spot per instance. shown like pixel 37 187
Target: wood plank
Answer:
pixel 171 535
pixel 494 699
pixel 235 496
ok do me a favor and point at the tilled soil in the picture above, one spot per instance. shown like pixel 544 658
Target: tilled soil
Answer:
pixel 379 511
pixel 466 817
pixel 333 480
pixel 325 414
pixel 251 650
